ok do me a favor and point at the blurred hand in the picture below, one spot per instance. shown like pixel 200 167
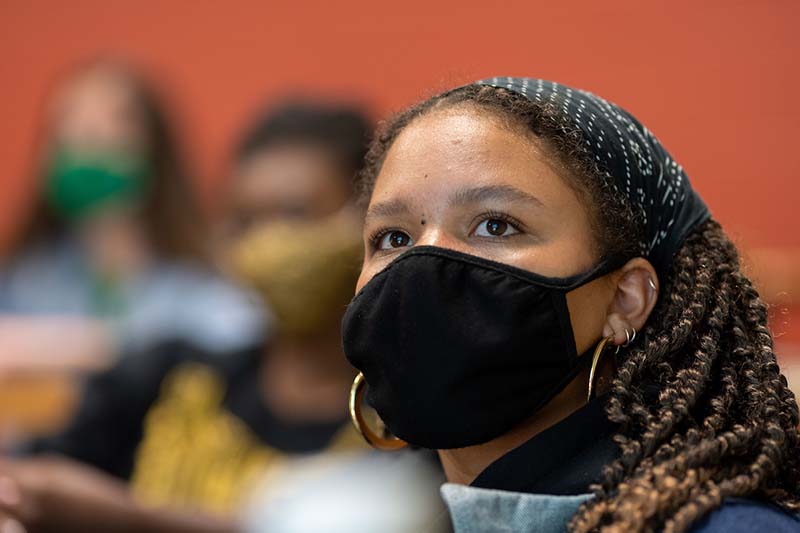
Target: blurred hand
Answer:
pixel 56 494
pixel 10 498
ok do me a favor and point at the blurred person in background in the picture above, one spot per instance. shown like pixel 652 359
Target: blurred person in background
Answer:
pixel 113 257
pixel 178 440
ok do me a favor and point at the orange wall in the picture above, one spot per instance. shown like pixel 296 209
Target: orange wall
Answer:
pixel 716 80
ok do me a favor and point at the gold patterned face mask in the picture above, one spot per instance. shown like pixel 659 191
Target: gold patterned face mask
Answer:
pixel 305 270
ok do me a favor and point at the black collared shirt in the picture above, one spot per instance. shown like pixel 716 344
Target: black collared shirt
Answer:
pixel 569 456
pixel 564 459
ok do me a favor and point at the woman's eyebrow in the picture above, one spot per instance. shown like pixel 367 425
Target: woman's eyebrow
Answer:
pixel 503 193
pixel 391 208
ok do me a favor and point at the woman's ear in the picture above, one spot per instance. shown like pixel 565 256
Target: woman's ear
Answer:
pixel 636 292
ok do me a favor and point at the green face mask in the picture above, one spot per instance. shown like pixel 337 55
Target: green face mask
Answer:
pixel 80 183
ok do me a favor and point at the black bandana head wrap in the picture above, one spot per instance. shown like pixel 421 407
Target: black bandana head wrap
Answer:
pixel 633 160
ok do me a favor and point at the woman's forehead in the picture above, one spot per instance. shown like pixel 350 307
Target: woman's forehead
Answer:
pixel 462 149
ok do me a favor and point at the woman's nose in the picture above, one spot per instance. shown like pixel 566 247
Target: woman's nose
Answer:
pixel 439 237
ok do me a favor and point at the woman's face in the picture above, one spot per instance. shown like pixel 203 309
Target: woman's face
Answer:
pixel 287 181
pixel 461 179
pixel 98 110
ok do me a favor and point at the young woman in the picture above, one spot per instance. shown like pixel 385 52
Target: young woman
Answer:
pixel 112 257
pixel 546 301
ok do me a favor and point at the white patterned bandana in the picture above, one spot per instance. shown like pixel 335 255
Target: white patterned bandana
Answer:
pixel 632 158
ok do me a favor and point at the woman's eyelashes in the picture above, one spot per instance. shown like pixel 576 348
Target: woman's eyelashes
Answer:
pixel 391 239
pixel 496 225
pixel 490 226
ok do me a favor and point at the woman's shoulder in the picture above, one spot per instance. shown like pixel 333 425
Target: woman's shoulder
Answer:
pixel 750 516
pixel 473 509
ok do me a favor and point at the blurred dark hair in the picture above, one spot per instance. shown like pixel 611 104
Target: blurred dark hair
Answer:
pixel 340 129
pixel 169 213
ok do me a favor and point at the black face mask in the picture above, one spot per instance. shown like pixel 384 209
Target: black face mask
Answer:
pixel 457 349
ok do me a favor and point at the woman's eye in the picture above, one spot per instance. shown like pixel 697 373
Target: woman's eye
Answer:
pixel 394 239
pixel 494 227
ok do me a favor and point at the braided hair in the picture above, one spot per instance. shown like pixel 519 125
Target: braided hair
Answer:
pixel 702 408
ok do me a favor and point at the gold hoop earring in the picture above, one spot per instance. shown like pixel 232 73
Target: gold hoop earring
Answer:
pixel 373 439
pixel 598 352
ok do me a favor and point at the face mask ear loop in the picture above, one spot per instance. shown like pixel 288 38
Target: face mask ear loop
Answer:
pixel 598 353
pixel 603 268
pixel 373 439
